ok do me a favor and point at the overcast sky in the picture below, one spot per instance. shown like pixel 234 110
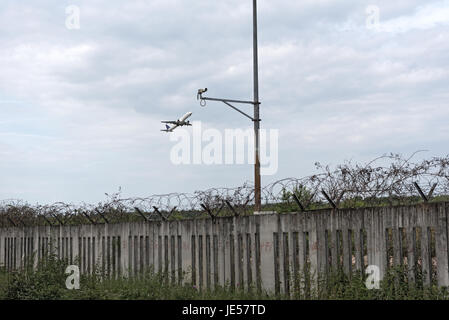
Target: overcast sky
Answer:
pixel 80 109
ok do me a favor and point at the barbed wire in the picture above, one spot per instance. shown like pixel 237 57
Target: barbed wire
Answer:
pixel 387 180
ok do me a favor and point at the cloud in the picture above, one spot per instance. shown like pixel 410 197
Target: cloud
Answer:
pixel 425 17
pixel 80 109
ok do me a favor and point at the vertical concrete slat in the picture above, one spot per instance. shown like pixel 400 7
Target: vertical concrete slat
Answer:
pixel 19 249
pixel 142 255
pixel 252 268
pixel 257 255
pixel 54 234
pixel 89 248
pixel 71 245
pixel 224 252
pixel 165 246
pixel 248 253
pixel 151 233
pixel 233 254
pixel 327 227
pixel 113 233
pixel 132 255
pixel 135 241
pixel 241 222
pixel 345 218
pixel 441 246
pixel 118 232
pixel 335 254
pixel 215 253
pixel 35 246
pixel 370 235
pixel 160 247
pixel 292 250
pixel 2 248
pixel 380 242
pixel 208 247
pixel 201 240
pixel 267 226
pixel 93 251
pixel 17 253
pixel 179 246
pixel 300 226
pixel 124 239
pixel 82 249
pixel 84 260
pixel 166 251
pixel 76 258
pixel 425 243
pixel 321 238
pixel 146 246
pixel 277 277
pixel 64 234
pixel 402 218
pixel 294 247
pixel 59 241
pixel 194 253
pixel 281 253
pixel 6 253
pixel 395 232
pixel 321 245
pixel 21 242
pixel 219 268
pixel 99 232
pixel 355 227
pixel 156 246
pixel 186 231
pixel 411 243
pixel 376 239
pixel 153 249
pixel 172 250
pixel 312 221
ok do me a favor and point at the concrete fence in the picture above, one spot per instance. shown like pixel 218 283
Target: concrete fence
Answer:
pixel 263 250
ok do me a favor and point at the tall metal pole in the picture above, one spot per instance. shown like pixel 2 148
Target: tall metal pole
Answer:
pixel 255 119
pixel 257 182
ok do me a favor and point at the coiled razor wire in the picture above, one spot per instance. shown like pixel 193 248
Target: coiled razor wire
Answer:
pixel 387 180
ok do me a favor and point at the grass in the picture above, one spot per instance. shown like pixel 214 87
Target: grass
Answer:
pixel 47 282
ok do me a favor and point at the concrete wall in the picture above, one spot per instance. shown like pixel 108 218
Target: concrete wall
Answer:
pixel 265 250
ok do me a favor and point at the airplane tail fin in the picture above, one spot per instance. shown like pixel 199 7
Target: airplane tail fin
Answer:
pixel 167 126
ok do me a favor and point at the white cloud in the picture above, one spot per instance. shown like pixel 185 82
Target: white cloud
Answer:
pixel 80 110
pixel 425 17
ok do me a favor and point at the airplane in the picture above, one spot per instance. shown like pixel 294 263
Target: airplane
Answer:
pixel 178 123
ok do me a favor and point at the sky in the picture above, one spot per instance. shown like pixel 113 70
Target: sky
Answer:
pixel 80 108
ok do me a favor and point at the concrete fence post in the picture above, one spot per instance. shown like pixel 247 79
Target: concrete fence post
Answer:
pixel 267 228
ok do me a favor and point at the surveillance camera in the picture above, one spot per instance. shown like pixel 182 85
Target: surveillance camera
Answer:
pixel 200 92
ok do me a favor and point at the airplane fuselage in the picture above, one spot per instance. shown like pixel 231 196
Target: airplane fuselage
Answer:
pixel 186 116
pixel 178 123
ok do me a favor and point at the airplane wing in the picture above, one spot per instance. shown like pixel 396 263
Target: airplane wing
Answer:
pixel 170 122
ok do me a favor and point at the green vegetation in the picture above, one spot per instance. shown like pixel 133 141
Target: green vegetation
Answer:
pixel 395 286
pixel 47 282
